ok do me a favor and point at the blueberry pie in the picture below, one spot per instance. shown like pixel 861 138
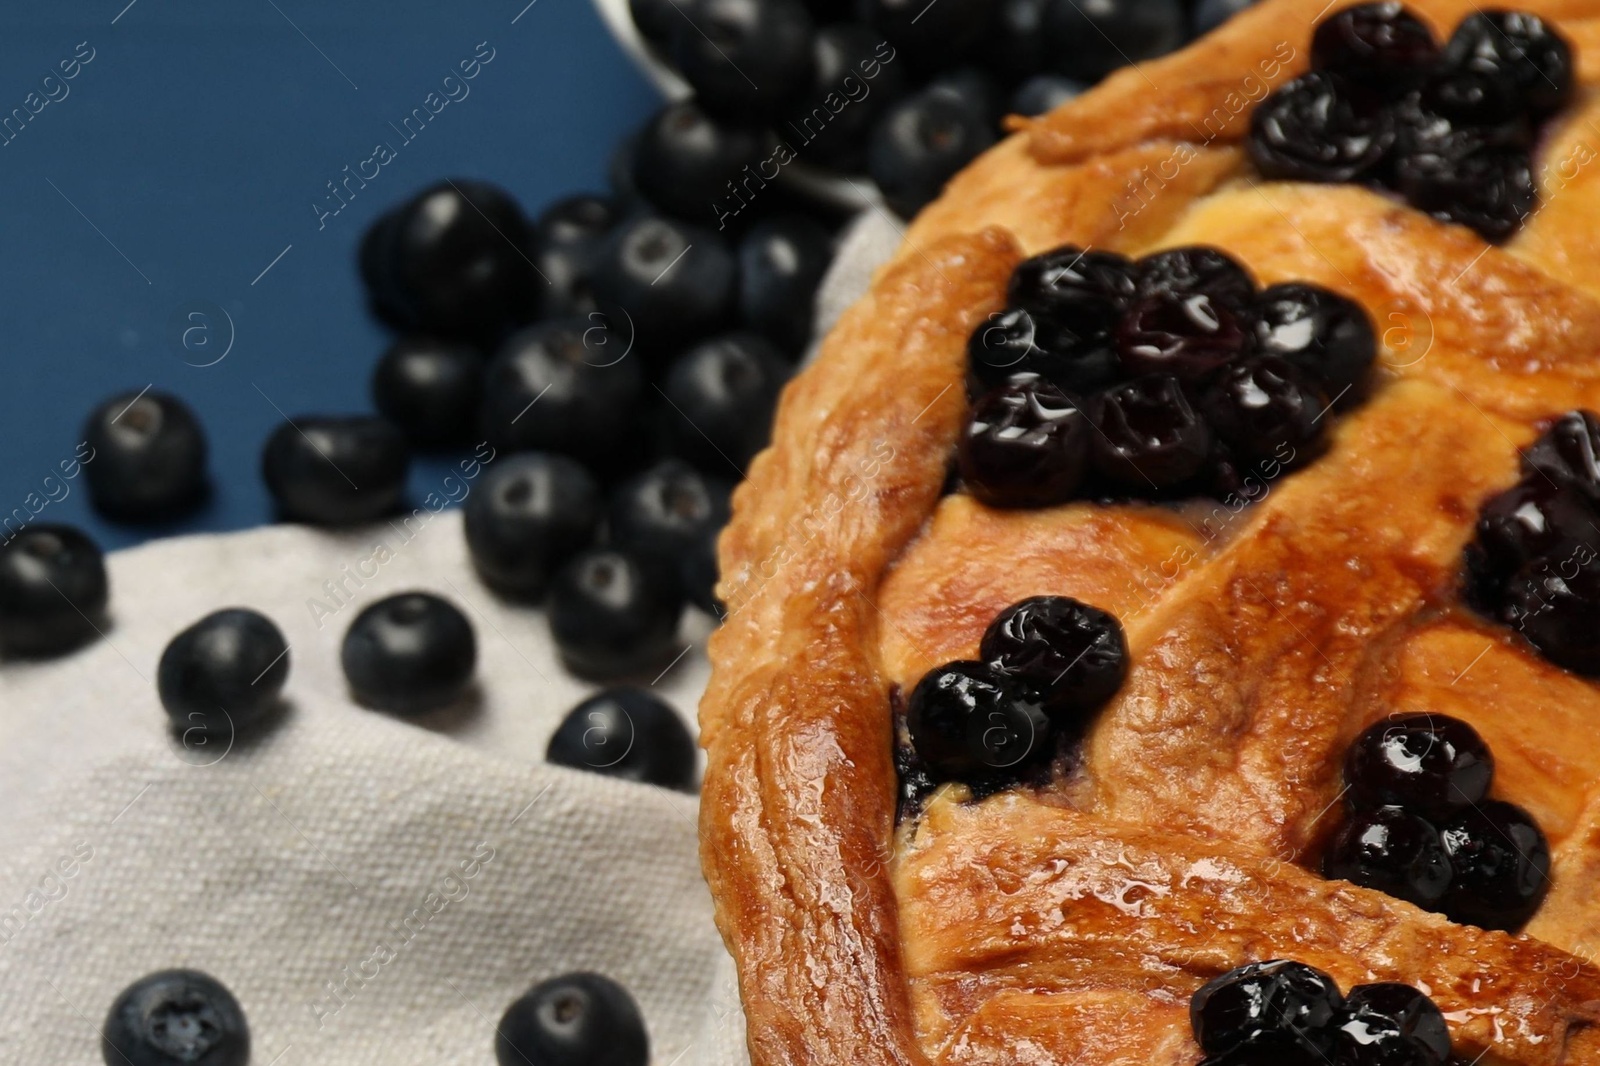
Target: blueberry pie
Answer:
pixel 1165 628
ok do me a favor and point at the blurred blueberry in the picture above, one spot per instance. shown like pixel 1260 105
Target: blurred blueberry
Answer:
pixel 851 85
pixel 676 281
pixel 1091 38
pixel 920 144
pixel 430 390
pixel 747 59
pixel 723 392
pixel 781 262
pixel 1043 93
pixel 686 161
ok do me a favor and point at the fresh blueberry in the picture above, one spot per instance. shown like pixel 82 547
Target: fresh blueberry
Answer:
pixel 1196 270
pixel 1381 45
pixel 655 19
pixel 565 242
pixel 335 470
pixel 1091 38
pixel 1390 1025
pixel 969 720
pixel 430 390
pixel 1189 337
pixel 975 89
pixel 1016 48
pixel 1520 46
pixel 376 262
pixel 920 143
pixel 1501 864
pixel 149 457
pixel 562 387
pixel 614 612
pixel 529 515
pixel 1531 519
pixel 1324 334
pixel 1043 93
pixel 1391 850
pixel 932 36
pixel 1320 127
pixel 409 653
pixel 1260 1004
pixel 1025 445
pixel 666 514
pixel 175 1018
pixel 1428 763
pixel 626 733
pixel 781 263
pixel 1015 345
pixel 1149 437
pixel 223 672
pixel 460 268
pixel 1085 291
pixel 1554 601
pixel 1074 655
pixel 686 162
pixel 746 59
pixel 580 1019
pixel 1263 408
pixel 1568 452
pixel 722 394
pixel 52 590
pixel 1488 190
pixel 676 282
pixel 847 65
pixel 1209 14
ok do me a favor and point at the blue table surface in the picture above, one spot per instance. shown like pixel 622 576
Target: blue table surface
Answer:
pixel 185 167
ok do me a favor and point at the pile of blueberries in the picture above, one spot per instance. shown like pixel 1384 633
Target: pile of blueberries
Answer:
pixel 1170 376
pixel 907 91
pixel 1421 828
pixel 1291 1014
pixel 188 1018
pixel 1532 564
pixel 1450 129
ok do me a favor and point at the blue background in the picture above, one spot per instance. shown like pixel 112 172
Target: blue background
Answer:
pixel 196 141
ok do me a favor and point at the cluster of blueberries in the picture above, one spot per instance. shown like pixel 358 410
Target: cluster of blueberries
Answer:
pixel 907 91
pixel 1450 129
pixel 188 1018
pixel 1531 565
pixel 1169 376
pixel 1291 1014
pixel 1421 828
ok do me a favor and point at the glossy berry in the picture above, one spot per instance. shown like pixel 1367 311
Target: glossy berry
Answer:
pixel 223 672
pixel 528 516
pixel 564 386
pixel 1568 452
pixel 969 720
pixel 1189 337
pixel 781 263
pixel 1391 850
pixel 1015 344
pixel 932 37
pixel 721 396
pixel 1209 14
pixel 685 159
pixel 409 653
pixel 430 390
pixel 1430 764
pixel 1472 98
pixel 1267 1005
pixel 52 590
pixel 1092 39
pixel 175 1018
pixel 1518 46
pixel 149 457
pixel 847 63
pixel 1319 128
pixel 1149 437
pixel 1554 601
pixel 1531 519
pixel 335 470
pixel 580 1019
pixel 1025 445
pixel 1390 1025
pixel 1073 655
pixel 1488 190
pixel 626 733
pixel 1322 333
pixel 566 239
pixel 676 282
pixel 1084 290
pixel 1381 45
pixel 1501 865
pixel 1196 270
pixel 920 143
pixel 1262 407
pixel 666 513
pixel 1043 93
pixel 746 59
pixel 614 612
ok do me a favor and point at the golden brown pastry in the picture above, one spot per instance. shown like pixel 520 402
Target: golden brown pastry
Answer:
pixel 1071 923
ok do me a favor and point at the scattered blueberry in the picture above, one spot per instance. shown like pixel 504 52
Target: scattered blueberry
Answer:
pixel 1381 45
pixel 565 241
pixel 1320 128
pixel 746 59
pixel 1072 654
pixel 409 653
pixel 223 672
pixel 1149 437
pixel 1188 337
pixel 430 390
pixel 1489 190
pixel 676 281
pixel 375 261
pixel 149 457
pixel 626 733
pixel 1501 866
pixel 722 394
pixel 974 89
pixel 920 143
pixel 666 513
pixel 1324 334
pixel 1017 45
pixel 781 263
pixel 968 719
pixel 175 1018
pixel 613 612
pixel 1532 519
pixel 1429 763
pixel 53 590
pixel 1280 1008
pixel 1263 408
pixel 530 514
pixel 1043 93
pixel 1519 46
pixel 847 65
pixel 1094 37
pixel 1393 851
pixel 1025 445
pixel 1196 270
pixel 335 470
pixel 580 1019
pixel 686 162
pixel 1209 14
pixel 1568 452
pixel 1390 1024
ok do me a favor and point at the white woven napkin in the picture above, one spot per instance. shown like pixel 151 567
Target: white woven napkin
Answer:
pixel 372 890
